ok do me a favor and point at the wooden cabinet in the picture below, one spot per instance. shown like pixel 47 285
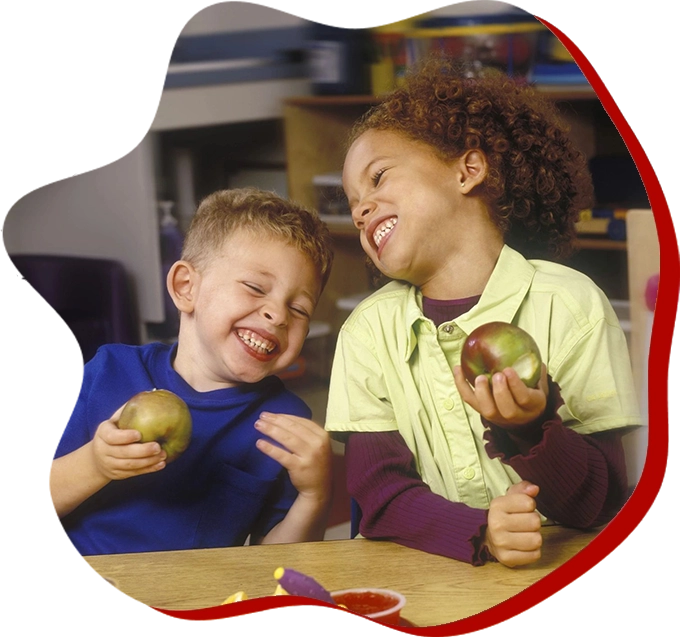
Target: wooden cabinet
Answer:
pixel 316 129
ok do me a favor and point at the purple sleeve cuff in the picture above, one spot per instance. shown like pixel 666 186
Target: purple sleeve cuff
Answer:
pixel 582 478
pixel 501 441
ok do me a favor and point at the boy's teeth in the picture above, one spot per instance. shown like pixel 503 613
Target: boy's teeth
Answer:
pixel 256 342
pixel 383 230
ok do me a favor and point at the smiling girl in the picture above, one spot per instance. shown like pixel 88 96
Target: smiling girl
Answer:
pixel 453 182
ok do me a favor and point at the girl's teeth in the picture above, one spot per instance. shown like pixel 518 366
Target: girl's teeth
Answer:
pixel 383 231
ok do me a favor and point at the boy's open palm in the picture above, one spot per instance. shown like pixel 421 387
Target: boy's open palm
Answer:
pixel 118 454
pixel 305 452
pixel 513 533
pixel 510 403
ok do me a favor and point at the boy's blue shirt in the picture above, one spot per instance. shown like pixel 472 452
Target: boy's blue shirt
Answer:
pixel 215 494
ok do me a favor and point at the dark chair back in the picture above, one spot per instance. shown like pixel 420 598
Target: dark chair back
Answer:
pixel 93 297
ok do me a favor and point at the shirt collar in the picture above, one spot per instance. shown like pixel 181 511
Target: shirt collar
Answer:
pixel 504 293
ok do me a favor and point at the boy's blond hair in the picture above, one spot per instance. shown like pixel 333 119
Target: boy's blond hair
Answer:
pixel 225 211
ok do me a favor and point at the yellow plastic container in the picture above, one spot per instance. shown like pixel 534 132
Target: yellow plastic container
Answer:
pixel 390 52
pixel 506 44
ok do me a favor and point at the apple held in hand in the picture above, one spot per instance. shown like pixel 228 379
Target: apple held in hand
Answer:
pixel 494 346
pixel 159 415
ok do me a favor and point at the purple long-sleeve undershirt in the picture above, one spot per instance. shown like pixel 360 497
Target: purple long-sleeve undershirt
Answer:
pixel 582 478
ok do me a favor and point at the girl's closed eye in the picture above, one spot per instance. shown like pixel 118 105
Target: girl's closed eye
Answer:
pixel 377 176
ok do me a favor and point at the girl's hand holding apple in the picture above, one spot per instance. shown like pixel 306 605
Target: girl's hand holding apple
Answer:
pixel 505 400
pixel 501 375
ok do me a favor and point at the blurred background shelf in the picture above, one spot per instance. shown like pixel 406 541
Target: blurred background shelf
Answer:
pixel 553 92
pixel 585 243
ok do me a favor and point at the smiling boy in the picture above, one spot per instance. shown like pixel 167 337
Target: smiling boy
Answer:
pixel 252 269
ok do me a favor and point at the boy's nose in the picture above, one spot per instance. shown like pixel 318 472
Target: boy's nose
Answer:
pixel 275 315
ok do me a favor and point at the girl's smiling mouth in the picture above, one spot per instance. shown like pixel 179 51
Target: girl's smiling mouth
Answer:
pixel 383 230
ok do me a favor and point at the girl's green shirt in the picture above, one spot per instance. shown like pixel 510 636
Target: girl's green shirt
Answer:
pixel 392 370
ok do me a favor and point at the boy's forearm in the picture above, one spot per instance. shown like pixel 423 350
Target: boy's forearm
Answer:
pixel 74 478
pixel 305 521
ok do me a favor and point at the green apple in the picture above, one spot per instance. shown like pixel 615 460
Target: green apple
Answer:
pixel 495 346
pixel 159 415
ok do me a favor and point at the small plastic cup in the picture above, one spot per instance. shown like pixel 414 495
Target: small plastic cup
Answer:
pixel 380 604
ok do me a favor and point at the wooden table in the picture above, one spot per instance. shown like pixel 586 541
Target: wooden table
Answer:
pixel 438 590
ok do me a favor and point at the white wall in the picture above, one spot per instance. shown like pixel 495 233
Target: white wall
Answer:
pixel 107 213
pixel 238 16
pixel 242 16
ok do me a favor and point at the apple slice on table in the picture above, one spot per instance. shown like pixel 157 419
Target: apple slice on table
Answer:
pixel 494 346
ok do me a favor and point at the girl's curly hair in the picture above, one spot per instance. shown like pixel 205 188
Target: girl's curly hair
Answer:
pixel 537 181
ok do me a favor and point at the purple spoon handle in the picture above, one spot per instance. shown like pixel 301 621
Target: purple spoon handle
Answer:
pixel 296 583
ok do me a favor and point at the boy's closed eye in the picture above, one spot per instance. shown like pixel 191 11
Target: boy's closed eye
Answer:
pixel 300 311
pixel 252 286
pixel 296 309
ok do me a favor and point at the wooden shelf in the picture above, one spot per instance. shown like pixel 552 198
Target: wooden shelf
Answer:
pixel 567 92
pixel 557 92
pixel 595 243
pixel 332 100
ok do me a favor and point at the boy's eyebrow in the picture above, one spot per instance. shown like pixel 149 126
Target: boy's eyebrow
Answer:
pixel 310 296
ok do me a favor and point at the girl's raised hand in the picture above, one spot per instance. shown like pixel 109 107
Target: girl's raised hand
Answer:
pixel 305 452
pixel 507 401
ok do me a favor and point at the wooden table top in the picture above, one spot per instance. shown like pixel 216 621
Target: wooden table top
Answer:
pixel 634 592
pixel 438 590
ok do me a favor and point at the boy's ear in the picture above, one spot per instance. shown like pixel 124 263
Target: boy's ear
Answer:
pixel 181 283
pixel 473 169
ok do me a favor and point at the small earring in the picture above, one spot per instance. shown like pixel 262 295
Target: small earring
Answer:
pixel 462 184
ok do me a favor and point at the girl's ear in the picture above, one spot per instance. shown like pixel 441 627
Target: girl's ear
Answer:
pixel 473 169
pixel 182 282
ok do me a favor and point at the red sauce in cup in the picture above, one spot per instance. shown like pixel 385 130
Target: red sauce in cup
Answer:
pixel 365 603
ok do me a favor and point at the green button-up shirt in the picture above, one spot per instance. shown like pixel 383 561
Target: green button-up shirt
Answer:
pixel 393 370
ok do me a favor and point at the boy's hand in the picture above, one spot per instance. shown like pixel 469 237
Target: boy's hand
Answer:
pixel 118 454
pixel 511 403
pixel 306 452
pixel 513 534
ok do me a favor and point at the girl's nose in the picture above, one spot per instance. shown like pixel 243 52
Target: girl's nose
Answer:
pixel 360 213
